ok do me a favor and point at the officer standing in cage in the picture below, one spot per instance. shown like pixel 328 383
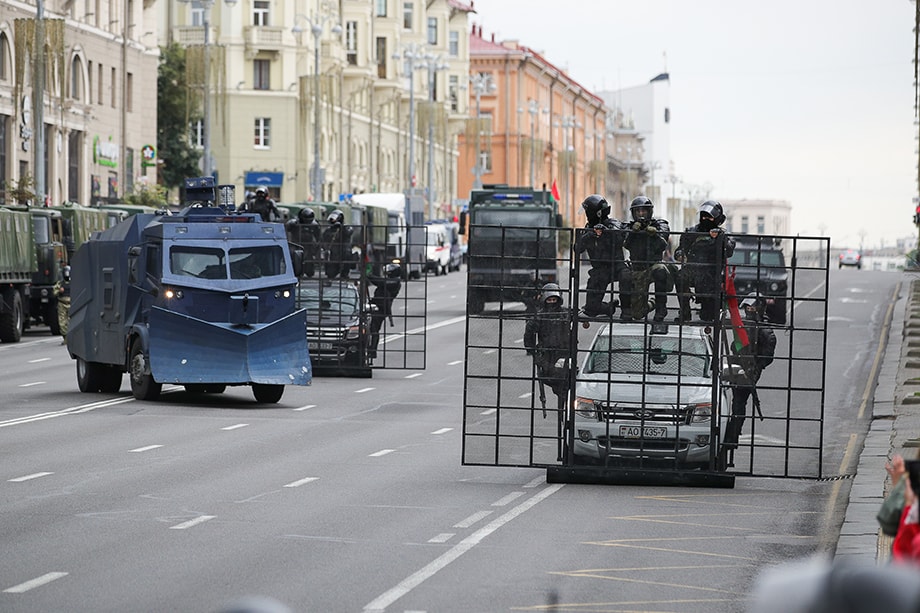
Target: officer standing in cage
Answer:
pixel 752 359
pixel 646 241
pixel 602 239
pixel 548 338
pixel 386 288
pixel 263 205
pixel 337 246
pixel 304 231
pixel 703 251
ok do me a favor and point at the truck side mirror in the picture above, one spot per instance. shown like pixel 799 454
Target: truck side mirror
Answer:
pixel 133 253
pixel 462 229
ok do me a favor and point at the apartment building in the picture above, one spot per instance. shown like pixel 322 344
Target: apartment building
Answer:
pixel 78 101
pixel 323 99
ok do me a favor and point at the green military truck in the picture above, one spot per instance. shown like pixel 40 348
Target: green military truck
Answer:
pixel 17 265
pixel 512 244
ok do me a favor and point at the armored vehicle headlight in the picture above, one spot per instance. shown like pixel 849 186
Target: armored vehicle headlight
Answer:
pixel 283 293
pixel 173 293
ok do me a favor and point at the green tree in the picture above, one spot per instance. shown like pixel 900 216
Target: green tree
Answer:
pixel 20 191
pixel 147 195
pixel 178 157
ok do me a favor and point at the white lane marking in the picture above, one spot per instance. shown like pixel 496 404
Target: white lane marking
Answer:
pixel 301 482
pixel 29 477
pixel 535 482
pixel 489 411
pixel 305 407
pixel 455 362
pixel 382 452
pixel 507 499
pixel 472 519
pixel 414 580
pixel 442 431
pixel 36 361
pixel 364 389
pixel 34 583
pixel 143 449
pixel 235 426
pixel 34 383
pixel 527 395
pixel 488 351
pixel 192 522
pixel 441 538
pixel 83 408
pixel 447 322
pixel 414 375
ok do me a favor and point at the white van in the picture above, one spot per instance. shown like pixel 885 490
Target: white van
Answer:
pixel 437 250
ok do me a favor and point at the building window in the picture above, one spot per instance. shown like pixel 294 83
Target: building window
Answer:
pixel 197 14
pixel 260 13
pixel 74 141
pixel 744 224
pixel 261 74
pixel 89 85
pixel 432 30
pixel 114 88
pixel 4 57
pixel 99 98
pixel 408 10
pixel 381 57
pixel 129 89
pixel 761 225
pixel 263 126
pixel 197 135
pixel 76 79
pixel 4 147
pixel 454 43
pixel 351 42
pixel 129 170
pixel 453 91
pixel 381 8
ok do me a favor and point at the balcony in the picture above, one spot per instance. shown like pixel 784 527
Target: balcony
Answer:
pixel 263 38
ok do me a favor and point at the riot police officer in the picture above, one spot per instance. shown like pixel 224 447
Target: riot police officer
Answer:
pixel 703 250
pixel 386 288
pixel 304 231
pixel 263 205
pixel 548 338
pixel 602 239
pixel 646 240
pixel 337 246
pixel 750 359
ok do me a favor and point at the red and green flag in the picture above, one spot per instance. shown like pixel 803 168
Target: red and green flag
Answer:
pixel 555 192
pixel 741 337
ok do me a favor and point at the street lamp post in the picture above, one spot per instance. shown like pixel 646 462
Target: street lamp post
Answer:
pixel 317 25
pixel 434 65
pixel 534 109
pixel 482 84
pixel 568 122
pixel 413 54
pixel 206 162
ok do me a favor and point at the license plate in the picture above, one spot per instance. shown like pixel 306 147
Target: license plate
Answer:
pixel 646 432
pixel 319 346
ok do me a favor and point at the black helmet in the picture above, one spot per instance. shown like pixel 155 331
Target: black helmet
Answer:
pixel 392 270
pixel 261 192
pixel 713 208
pixel 551 294
pixel 753 299
pixel 336 216
pixel 641 203
pixel 596 208
pixel 306 216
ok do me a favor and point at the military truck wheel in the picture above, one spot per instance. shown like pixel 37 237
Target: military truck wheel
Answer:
pixel 89 376
pixel 142 384
pixel 12 322
pixel 266 393
pixel 109 379
pixel 51 318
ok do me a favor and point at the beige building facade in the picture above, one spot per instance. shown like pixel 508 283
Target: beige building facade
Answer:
pixel 383 109
pixel 96 105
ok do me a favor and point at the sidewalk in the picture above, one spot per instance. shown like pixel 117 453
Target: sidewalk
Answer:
pixel 895 428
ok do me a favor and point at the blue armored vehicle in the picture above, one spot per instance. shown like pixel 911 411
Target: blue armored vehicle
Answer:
pixel 203 299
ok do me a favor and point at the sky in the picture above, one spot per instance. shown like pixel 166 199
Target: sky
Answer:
pixel 808 101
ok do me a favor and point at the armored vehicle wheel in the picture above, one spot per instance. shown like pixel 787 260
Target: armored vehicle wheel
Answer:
pixel 12 322
pixel 142 384
pixel 266 393
pixel 89 376
pixel 109 379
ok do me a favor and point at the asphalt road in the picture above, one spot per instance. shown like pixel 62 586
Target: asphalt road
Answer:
pixel 349 495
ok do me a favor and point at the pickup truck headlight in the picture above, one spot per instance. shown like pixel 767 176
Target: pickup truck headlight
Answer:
pixel 353 333
pixel 584 407
pixel 700 413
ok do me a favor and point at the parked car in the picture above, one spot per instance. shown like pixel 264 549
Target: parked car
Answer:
pixel 646 397
pixel 338 325
pixel 850 257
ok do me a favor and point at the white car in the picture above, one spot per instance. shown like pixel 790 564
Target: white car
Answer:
pixel 648 397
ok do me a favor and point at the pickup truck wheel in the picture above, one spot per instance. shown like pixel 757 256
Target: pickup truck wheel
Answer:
pixel 88 376
pixel 142 384
pixel 12 322
pixel 266 393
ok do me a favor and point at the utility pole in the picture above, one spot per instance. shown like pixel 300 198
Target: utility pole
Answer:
pixel 38 103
